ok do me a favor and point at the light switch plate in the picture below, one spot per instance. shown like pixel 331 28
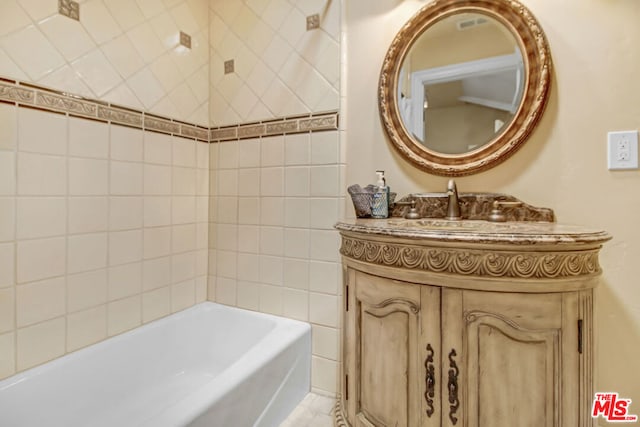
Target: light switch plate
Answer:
pixel 622 150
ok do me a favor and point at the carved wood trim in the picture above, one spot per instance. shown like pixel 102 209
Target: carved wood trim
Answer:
pixel 466 262
pixel 339 420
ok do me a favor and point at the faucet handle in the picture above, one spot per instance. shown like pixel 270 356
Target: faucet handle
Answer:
pixel 412 213
pixel 496 214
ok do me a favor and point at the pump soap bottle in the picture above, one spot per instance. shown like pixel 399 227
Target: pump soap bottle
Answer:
pixel 380 203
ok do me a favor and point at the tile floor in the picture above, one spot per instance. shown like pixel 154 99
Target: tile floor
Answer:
pixel 314 411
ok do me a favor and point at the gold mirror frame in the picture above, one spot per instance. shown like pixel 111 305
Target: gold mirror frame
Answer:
pixel 537 64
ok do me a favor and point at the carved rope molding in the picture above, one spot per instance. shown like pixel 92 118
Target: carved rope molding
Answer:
pixel 474 262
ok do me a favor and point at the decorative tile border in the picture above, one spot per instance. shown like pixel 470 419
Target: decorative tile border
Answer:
pixel 26 94
pixel 287 125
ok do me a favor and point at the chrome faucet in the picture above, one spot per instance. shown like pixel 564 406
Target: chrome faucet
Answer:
pixel 453 207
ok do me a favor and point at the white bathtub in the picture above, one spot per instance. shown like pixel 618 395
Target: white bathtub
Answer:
pixel 209 365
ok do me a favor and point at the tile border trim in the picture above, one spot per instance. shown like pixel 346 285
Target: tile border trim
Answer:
pixel 34 96
pixel 313 122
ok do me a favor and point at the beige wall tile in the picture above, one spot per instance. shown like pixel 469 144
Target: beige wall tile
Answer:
pixel 40 175
pixel 324 374
pixel 296 212
pixel 295 304
pixel 7 265
pixel 157 180
pixel 184 152
pixel 227 212
pixel 323 309
pixel 225 291
pixel 272 181
pixel 41 217
pixel 125 213
pixel 126 144
pixel 7 219
pixel 249 182
pixel 88 138
pixel 271 299
pixel 87 252
pixel 157 242
pixel 156 273
pixel 184 181
pixel 324 181
pixel 7 309
pixel 156 304
pixel 323 213
pixel 157 211
pixel 183 267
pixel 125 247
pixel 326 245
pixel 40 343
pixel 227 237
pixel 86 327
pixel 157 148
pixel 42 132
pixel 271 210
pixel 271 269
pixel 88 177
pixel 125 280
pixel 323 277
pixel 88 214
pixel 296 273
pixel 201 289
pixel 183 209
pixel 8 127
pixel 297 149
pixel 124 314
pixel 183 295
pixel 272 241
pixel 325 342
pixel 126 178
pixel 202 155
pixel 296 243
pixel 40 259
pixel 7 355
pixel 248 267
pixel 248 295
pixel 183 238
pixel 39 301
pixel 228 154
pixel 297 181
pixel 324 147
pixel 86 290
pixel 7 173
pixel 272 151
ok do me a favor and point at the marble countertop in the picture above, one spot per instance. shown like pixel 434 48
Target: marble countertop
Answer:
pixel 477 231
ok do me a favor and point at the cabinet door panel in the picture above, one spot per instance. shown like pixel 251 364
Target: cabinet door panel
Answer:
pixel 387 348
pixel 512 373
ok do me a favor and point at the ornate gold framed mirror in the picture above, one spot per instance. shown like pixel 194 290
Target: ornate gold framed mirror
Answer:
pixel 464 83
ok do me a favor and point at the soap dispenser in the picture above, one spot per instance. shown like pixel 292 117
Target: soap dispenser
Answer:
pixel 380 202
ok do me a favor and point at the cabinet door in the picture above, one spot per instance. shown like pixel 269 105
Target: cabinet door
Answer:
pixel 507 358
pixel 383 352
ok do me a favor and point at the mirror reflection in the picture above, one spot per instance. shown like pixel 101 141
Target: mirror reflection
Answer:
pixel 461 83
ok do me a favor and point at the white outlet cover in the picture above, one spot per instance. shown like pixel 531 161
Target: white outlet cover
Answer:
pixel 622 150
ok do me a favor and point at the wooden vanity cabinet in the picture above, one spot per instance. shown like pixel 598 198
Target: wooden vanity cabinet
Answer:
pixel 423 355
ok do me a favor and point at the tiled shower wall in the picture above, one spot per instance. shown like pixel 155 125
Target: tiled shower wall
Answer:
pixel 121 51
pixel 275 199
pixel 102 228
